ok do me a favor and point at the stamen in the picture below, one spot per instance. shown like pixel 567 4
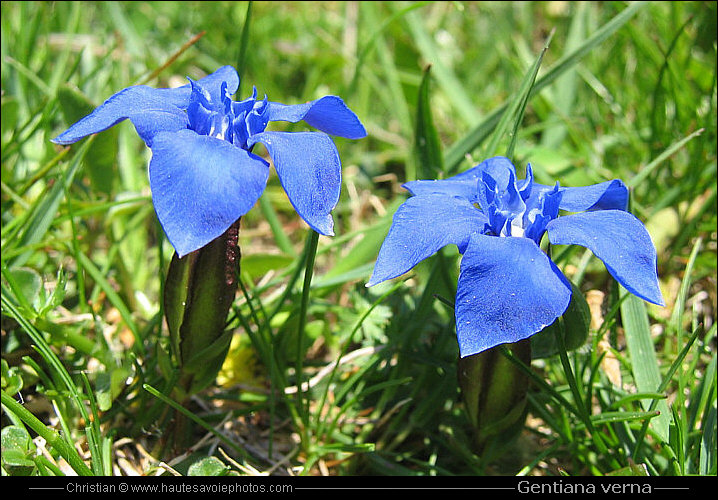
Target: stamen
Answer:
pixel 517 228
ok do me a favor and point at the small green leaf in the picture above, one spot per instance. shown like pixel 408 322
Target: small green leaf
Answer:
pixel 16 458
pixel 29 284
pixel 208 466
pixel 109 385
pixel 17 450
pixel 11 378
pixel 15 438
pixel 9 115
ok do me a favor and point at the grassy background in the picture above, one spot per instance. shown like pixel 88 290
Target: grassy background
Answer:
pixel 83 257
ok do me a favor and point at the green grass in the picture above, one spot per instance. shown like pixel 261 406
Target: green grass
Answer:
pixel 623 91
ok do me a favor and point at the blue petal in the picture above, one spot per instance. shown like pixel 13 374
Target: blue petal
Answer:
pixel 212 83
pixel 543 207
pixel 246 105
pixel 258 117
pixel 524 186
pixel 421 226
pixel 508 290
pixel 500 169
pixel 310 171
pixel 199 110
pixel 511 200
pixel 465 188
pixel 328 114
pixel 201 185
pixel 148 109
pixel 466 184
pixel 609 195
pixel 620 241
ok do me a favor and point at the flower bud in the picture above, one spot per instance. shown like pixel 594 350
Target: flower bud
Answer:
pixel 199 291
pixel 494 392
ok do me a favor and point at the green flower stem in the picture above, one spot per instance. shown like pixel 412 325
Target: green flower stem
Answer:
pixel 584 413
pixel 53 438
pixel 540 382
pixel 310 255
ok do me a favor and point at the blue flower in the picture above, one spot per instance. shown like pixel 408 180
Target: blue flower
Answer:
pixel 203 175
pixel 508 288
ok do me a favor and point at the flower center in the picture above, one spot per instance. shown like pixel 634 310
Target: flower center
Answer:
pixel 519 209
pixel 225 119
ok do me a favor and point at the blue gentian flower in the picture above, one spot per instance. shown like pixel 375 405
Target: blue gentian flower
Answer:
pixel 203 175
pixel 508 288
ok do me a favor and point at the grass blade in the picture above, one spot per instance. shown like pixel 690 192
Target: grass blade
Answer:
pixel 181 409
pixel 517 109
pixel 45 213
pixel 244 42
pixel 428 146
pixel 565 90
pixel 708 444
pixel 65 449
pixel 444 75
pixel 372 43
pixel 644 172
pixel 664 384
pixel 643 357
